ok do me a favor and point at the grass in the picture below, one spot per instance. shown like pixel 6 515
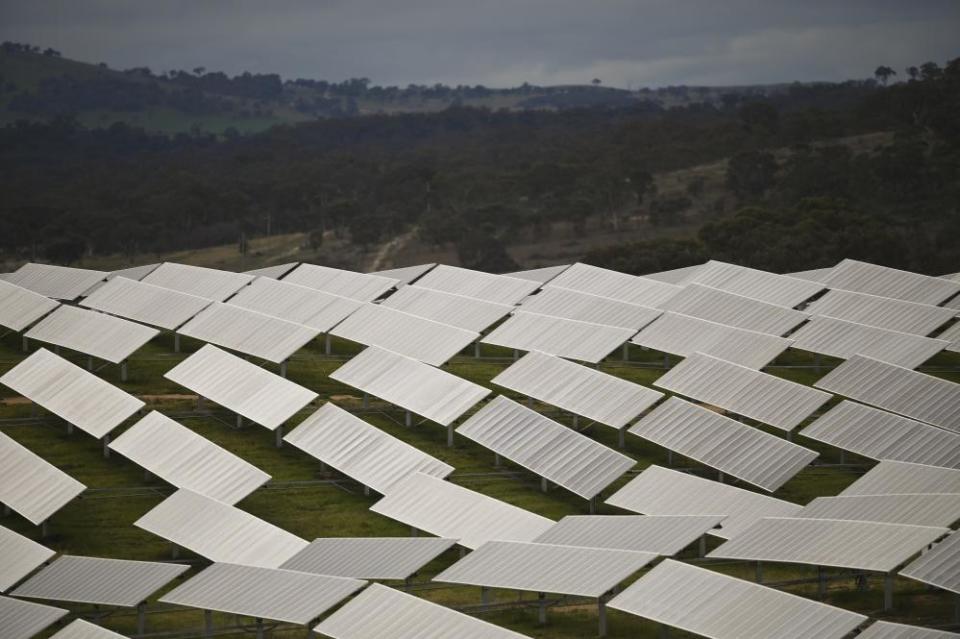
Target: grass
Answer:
pixel 311 503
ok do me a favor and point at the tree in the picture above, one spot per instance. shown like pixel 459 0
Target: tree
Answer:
pixel 759 116
pixel 751 173
pixel 883 74
pixel 66 250
pixel 595 82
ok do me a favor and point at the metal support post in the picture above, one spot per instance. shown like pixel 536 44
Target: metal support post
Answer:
pixel 544 484
pixel 259 628
pixel 821 582
pixel 817 361
pixel 843 456
pixel 56 350
pixel 6 510
pixel 720 477
pixel 366 401
pixel 476 349
pixel 593 502
pixel 516 354
pixel 26 344
pixel 542 613
pixel 69 428
pixel 176 342
pixel 622 438
pixel 602 616
pixel 888 591
pixel 484 595
pixel 759 572
pixel 626 351
pixel 666 360
pixel 703 545
pixel 366 491
pixel 414 532
pixel 44 529
pixel 669 457
pixel 174 551
pixel 327 346
pixel 123 371
pixel 529 402
pixel 407 419
pixel 147 475
pixel 278 436
pixel 496 460
pixel 664 632
pixel 207 623
pixel 576 421
pixel 239 420
pixel 283 368
pixel 90 362
pixel 789 436
pixel 142 618
pixel 106 446
pixel 450 435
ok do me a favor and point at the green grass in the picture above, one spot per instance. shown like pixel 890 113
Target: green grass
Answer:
pixel 311 503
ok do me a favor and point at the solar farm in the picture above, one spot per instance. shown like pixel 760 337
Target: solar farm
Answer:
pixel 430 451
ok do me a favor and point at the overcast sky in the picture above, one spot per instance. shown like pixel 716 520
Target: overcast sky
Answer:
pixel 500 42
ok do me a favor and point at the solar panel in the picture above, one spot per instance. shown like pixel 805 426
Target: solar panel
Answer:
pixel 96 334
pixel 240 386
pixel 558 336
pixel 544 447
pixel 415 386
pixel 422 339
pixel 903 478
pixel 58 282
pixel 249 332
pixel 273 272
pixel 209 283
pixel 677 276
pixel 94 580
pixel 80 629
pixel 880 435
pixel 368 557
pixel 584 307
pixel 738 389
pixel 361 451
pixel 379 611
pixel 882 312
pixel 19 557
pixel 940 566
pixel 713 605
pixel 447 308
pixel 587 572
pixel 185 459
pixel 889 630
pixel 23 619
pixel 851 275
pixel 66 390
pixel 542 275
pixel 663 535
pixel 134 273
pixel 920 510
pixel 30 485
pixel 356 286
pixel 734 310
pixel 818 275
pixel 897 389
pixel 218 531
pixel 684 335
pixel 952 335
pixel 861 545
pixel 406 274
pixel 295 303
pixel 264 593
pixel 756 457
pixel 447 510
pixel 843 339
pixel 781 290
pixel 20 307
pixel 618 286
pixel 578 389
pixel 501 289
pixel 146 303
pixel 662 491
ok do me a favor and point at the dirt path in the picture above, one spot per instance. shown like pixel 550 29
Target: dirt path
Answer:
pixel 385 253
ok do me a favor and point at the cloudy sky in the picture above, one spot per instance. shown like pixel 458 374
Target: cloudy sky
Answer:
pixel 500 42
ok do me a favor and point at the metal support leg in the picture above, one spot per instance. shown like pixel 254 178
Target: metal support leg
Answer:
pixel 529 402
pixel 44 529
pixel 239 420
pixel 544 484
pixel 207 623
pixel 142 618
pixel 576 421
pixel 259 628
pixel 602 617
pixel 666 360
pixel 450 435
pixel 496 460
pixel 843 456
pixel 720 477
pixel 327 346
pixel 484 595
pixel 664 632
pixel 888 591
pixel 407 419
pixel 69 427
pixel 542 613
pixel 956 609
pixel 106 446
pixel 463 552
pixel 414 532
pixel 476 349
pixel 669 457
pixel 703 545
pixel 516 354
pixel 821 582
pixel 176 342
pixel 6 510
pixel 789 436
pixel 366 491
pixel 278 436
pixel 283 368
pixel 26 344
pixel 594 504
pixel 626 351
pixel 759 572
pixel 366 401
pixel 174 551
pixel 90 362
pixel 817 361
pixel 123 371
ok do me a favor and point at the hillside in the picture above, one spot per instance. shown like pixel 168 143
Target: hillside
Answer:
pixel 39 84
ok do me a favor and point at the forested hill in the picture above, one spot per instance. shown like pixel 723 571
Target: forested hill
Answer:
pixel 36 84
pixel 787 182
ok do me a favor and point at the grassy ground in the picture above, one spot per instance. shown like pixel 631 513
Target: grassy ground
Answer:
pixel 311 503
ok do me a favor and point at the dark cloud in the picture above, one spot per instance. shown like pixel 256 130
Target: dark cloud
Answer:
pixel 499 42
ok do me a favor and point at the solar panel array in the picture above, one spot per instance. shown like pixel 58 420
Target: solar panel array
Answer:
pixel 541 445
pixel 726 321
pixel 243 387
pixel 80 629
pixel 66 390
